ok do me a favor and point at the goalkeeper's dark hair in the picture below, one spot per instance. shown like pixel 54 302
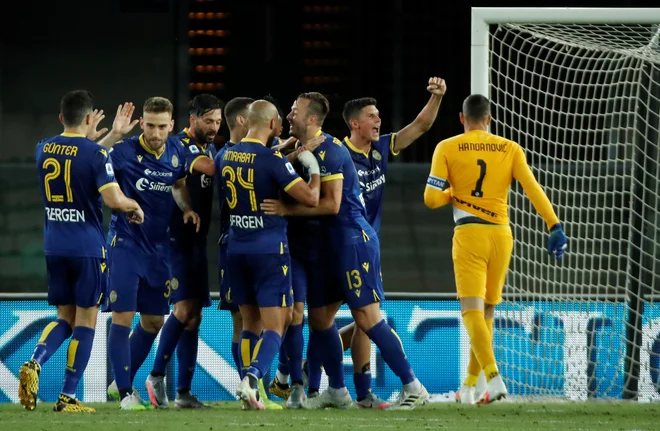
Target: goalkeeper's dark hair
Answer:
pixel 318 105
pixel 353 108
pixel 74 106
pixel 476 107
pixel 203 103
pixel 236 106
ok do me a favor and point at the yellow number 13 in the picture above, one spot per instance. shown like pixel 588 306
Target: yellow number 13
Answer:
pixel 57 170
pixel 247 184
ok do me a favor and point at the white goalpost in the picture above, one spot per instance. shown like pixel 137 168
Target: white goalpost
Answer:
pixel 579 89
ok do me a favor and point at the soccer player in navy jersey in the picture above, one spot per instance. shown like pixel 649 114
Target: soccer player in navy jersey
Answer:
pixel 75 175
pixel 369 151
pixel 151 169
pixel 349 249
pixel 236 118
pixel 257 250
pixel 188 261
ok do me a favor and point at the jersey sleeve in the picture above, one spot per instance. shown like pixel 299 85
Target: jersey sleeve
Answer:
pixel 385 144
pixel 183 164
pixel 192 155
pixel 524 175
pixel 104 173
pixel 330 162
pixel 119 154
pixel 439 170
pixel 283 172
pixel 435 193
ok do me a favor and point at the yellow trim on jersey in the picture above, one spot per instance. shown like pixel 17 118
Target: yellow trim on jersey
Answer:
pixel 392 142
pixel 105 186
pixel 113 242
pixel 72 135
pixel 187 132
pixel 195 161
pixel 256 141
pixel 332 177
pixel 149 150
pixel 292 183
pixel 355 149
pixel 319 133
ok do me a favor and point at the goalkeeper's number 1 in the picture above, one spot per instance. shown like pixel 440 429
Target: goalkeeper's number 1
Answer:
pixel 477 193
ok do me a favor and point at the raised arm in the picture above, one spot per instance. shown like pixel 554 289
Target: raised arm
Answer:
pixel 424 119
pixel 121 126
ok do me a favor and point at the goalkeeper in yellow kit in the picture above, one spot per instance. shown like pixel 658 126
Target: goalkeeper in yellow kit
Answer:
pixel 474 171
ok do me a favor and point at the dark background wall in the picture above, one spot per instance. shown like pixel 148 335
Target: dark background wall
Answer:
pixel 129 50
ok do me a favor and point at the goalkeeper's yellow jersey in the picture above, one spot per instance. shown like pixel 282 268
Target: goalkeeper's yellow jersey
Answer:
pixel 479 167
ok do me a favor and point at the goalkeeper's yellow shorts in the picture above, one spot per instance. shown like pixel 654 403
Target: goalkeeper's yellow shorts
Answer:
pixel 481 255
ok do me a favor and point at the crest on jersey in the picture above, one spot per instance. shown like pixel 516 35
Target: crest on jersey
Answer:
pixel 194 149
pixel 175 161
pixel 174 284
pixel 377 155
pixel 139 158
pixel 113 296
pixel 290 168
pixel 322 155
pixel 109 170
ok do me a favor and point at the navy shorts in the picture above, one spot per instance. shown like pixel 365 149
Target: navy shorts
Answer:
pixel 190 273
pixel 79 281
pixel 226 300
pixel 353 276
pixel 139 281
pixel 260 279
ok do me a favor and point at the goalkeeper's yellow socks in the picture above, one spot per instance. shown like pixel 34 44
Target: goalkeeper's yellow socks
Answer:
pixel 481 341
pixel 474 368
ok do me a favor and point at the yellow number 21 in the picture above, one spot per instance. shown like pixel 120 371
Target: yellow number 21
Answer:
pixel 57 170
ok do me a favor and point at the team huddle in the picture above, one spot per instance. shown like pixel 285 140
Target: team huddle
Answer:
pixel 299 224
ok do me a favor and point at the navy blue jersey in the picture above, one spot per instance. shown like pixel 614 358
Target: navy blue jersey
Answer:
pixel 73 171
pixel 350 225
pixel 200 189
pixel 251 173
pixel 147 178
pixel 371 168
pixel 222 202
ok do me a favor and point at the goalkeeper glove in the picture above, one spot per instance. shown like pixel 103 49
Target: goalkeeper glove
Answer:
pixel 557 242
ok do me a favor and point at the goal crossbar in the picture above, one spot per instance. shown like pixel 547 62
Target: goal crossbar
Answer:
pixel 483 17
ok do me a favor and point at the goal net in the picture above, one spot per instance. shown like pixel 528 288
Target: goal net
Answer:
pixel 584 102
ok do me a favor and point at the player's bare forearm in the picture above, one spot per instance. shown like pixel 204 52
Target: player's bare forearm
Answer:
pixel 420 125
pixel 203 165
pixel 434 198
pixel 325 207
pixel 286 146
pixel 109 140
pixel 181 195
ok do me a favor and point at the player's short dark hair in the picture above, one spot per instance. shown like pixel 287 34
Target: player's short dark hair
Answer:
pixel 156 105
pixel 476 107
pixel 236 106
pixel 203 103
pixel 270 98
pixel 74 106
pixel 352 108
pixel 318 105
